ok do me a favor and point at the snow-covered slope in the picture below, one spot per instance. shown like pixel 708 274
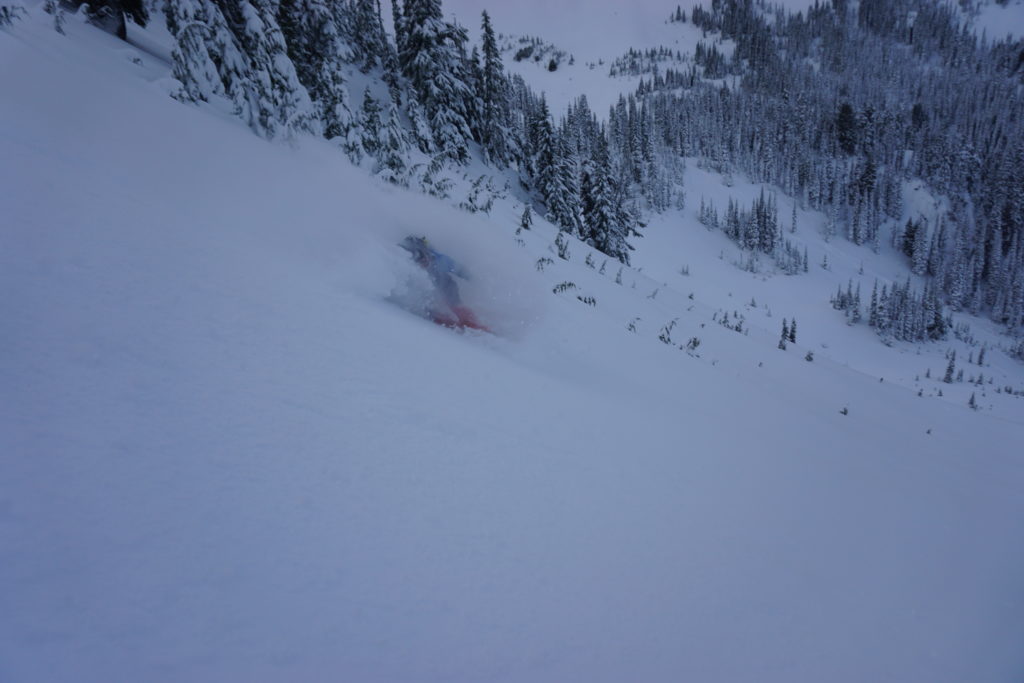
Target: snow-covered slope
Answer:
pixel 593 35
pixel 227 457
pixel 998 20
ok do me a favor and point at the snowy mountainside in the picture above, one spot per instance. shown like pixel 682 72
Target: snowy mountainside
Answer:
pixel 594 37
pixel 228 457
pixel 999 19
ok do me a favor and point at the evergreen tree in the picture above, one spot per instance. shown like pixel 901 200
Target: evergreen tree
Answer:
pixel 393 148
pixel 276 102
pixel 554 165
pixel 527 218
pixel 846 125
pixel 604 225
pixel 399 24
pixel 236 50
pixel 365 30
pixel 873 310
pixel 314 35
pixel 562 245
pixel 432 57
pixel 919 255
pixel 598 213
pixel 112 15
pixel 495 124
pixel 542 149
pixel 205 59
pixel 564 193
pixel 370 123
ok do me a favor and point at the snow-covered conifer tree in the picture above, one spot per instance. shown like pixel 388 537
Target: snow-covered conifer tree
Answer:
pixel 371 124
pixel 598 208
pixel 432 57
pixel 111 15
pixel 527 218
pixel 276 101
pixel 204 52
pixel 237 50
pixel 494 97
pixel 950 369
pixel 369 43
pixel 314 34
pixel 393 145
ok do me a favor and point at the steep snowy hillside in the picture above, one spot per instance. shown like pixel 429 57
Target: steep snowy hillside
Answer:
pixel 1000 19
pixel 228 456
pixel 594 37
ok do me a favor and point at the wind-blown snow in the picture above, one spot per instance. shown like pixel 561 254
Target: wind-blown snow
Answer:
pixel 227 457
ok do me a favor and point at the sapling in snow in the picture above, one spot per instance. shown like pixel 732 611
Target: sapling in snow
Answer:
pixel 562 245
pixel 666 332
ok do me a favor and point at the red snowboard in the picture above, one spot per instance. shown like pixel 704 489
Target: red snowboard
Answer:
pixel 460 317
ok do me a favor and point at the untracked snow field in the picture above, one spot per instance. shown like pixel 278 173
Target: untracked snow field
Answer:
pixel 224 456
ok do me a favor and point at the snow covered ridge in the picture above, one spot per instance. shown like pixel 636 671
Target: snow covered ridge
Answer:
pixel 226 455
pixel 533 49
pixel 995 19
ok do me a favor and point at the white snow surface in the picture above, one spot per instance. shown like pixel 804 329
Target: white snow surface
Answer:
pixel 1000 20
pixel 226 457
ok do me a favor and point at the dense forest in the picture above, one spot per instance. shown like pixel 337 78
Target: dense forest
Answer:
pixel 838 108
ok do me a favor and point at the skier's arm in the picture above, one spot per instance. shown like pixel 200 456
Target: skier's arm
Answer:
pixel 450 265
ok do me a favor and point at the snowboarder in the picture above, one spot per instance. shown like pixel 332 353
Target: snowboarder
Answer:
pixel 440 267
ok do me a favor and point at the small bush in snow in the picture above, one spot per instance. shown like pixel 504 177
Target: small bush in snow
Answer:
pixel 481 196
pixel 666 332
pixel 562 245
pixel 8 13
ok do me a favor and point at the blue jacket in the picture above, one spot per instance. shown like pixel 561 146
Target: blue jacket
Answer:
pixel 442 263
pixel 440 267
